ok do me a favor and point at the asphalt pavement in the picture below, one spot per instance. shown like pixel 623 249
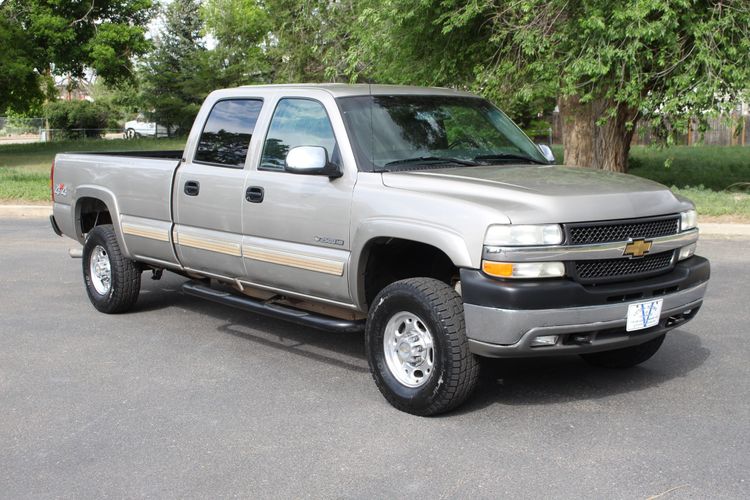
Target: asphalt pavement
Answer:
pixel 187 399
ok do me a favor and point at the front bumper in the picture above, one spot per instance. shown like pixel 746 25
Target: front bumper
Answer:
pixel 504 317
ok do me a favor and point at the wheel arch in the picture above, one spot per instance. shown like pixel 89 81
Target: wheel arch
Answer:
pixel 437 242
pixel 97 200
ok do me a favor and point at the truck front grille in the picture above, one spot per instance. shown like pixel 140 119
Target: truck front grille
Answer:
pixel 605 232
pixel 605 270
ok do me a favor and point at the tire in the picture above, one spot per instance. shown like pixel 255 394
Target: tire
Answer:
pixel 626 357
pixel 439 371
pixel 115 291
pixel 131 134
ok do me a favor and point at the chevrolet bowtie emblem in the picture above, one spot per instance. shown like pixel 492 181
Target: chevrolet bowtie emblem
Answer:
pixel 637 248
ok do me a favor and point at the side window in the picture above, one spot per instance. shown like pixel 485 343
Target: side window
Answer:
pixel 297 122
pixel 226 135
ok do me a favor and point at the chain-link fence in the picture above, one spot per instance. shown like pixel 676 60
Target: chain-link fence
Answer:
pixel 19 130
pixel 27 130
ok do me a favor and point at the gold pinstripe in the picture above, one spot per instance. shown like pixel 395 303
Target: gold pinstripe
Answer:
pixel 210 244
pixel 316 264
pixel 145 232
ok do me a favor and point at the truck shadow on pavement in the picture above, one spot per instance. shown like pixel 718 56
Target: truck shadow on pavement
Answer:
pixel 540 381
pixel 530 381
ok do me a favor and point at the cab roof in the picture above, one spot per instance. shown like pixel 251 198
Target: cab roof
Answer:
pixel 360 89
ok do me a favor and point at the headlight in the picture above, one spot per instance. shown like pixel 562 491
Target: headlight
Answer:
pixel 523 235
pixel 688 220
pixel 524 269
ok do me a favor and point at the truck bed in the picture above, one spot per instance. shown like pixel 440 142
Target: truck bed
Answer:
pixel 136 185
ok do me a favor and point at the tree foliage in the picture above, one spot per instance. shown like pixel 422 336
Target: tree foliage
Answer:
pixel 610 64
pixel 20 85
pixel 76 119
pixel 241 29
pixel 57 37
pixel 174 76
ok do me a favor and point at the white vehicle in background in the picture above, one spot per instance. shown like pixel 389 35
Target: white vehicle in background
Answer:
pixel 140 128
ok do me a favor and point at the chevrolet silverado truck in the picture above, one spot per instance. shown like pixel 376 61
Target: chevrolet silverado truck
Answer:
pixel 422 216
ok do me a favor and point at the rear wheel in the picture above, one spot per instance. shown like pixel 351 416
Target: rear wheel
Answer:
pixel 417 347
pixel 627 357
pixel 112 281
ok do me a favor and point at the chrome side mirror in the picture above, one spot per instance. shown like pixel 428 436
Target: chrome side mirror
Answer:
pixel 546 152
pixel 310 160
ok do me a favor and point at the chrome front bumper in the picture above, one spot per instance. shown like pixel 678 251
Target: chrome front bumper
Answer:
pixel 496 332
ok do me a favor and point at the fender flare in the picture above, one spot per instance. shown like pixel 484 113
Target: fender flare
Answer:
pixel 110 201
pixel 449 242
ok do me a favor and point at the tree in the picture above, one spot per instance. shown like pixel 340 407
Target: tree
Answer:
pixel 281 40
pixel 52 37
pixel 20 85
pixel 608 64
pixel 612 64
pixel 77 119
pixel 241 29
pixel 311 39
pixel 174 76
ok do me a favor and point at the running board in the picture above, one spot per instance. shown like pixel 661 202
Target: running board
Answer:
pixel 297 316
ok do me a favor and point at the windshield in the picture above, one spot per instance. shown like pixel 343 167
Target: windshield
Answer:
pixel 404 132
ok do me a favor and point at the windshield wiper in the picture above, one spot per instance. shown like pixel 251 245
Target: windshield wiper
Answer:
pixel 506 156
pixel 431 159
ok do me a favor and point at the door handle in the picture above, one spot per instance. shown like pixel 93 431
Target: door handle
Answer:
pixel 254 194
pixel 192 188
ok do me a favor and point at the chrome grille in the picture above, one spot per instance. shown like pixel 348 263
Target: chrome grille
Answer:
pixel 598 232
pixel 589 271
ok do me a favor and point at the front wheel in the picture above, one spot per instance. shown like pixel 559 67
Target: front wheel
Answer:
pixel 626 357
pixel 112 281
pixel 417 348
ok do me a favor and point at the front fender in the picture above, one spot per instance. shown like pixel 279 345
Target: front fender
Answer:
pixel 448 241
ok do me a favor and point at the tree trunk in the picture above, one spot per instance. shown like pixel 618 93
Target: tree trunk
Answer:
pixel 588 144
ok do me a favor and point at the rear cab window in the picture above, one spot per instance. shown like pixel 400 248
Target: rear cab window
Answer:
pixel 225 138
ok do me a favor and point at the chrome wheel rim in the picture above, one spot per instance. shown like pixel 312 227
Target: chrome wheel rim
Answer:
pixel 409 349
pixel 100 270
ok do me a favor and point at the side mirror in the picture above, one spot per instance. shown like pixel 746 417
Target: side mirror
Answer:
pixel 310 160
pixel 546 152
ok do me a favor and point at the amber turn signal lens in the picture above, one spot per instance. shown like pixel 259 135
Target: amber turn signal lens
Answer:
pixel 523 269
pixel 499 269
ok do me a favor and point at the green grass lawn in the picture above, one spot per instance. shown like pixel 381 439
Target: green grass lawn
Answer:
pixel 716 178
pixel 24 168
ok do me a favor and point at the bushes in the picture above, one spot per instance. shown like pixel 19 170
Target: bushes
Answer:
pixel 77 119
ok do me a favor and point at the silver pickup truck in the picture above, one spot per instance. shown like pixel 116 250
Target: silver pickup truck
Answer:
pixel 422 216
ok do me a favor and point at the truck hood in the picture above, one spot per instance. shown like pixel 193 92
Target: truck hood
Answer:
pixel 531 194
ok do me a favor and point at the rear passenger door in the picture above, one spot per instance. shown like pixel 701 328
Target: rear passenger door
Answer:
pixel 208 190
pixel 297 234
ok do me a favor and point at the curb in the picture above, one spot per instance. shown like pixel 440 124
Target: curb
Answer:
pixel 714 229
pixel 25 211
pixel 44 211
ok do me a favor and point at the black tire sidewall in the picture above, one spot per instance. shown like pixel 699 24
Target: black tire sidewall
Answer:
pixel 94 239
pixel 385 306
pixel 121 294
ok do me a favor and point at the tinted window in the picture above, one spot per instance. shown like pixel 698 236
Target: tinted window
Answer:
pixel 390 132
pixel 227 133
pixel 297 122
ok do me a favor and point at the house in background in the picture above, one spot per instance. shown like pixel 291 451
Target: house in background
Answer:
pixel 73 89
